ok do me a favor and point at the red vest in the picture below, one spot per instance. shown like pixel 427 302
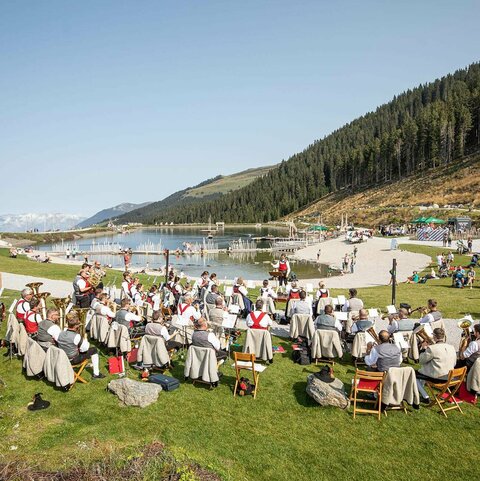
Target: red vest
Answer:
pixel 20 315
pixel 323 294
pixel 256 320
pixel 282 266
pixel 30 324
pixel 236 289
pixel 294 294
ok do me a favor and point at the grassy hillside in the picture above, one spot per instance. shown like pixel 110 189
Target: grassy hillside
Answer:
pixel 454 188
pixel 228 183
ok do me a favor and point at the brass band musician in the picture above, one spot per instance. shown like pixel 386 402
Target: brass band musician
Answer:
pixel 399 322
pixel 432 314
pixel 470 352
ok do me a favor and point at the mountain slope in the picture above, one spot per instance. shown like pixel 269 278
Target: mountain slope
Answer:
pixel 426 127
pixel 443 192
pixel 109 213
pixel 208 190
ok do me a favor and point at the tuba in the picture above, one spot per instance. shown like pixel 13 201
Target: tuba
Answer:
pixel 35 287
pixel 465 324
pixel 61 303
pixel 373 333
pixel 42 296
pixel 82 315
pixel 422 335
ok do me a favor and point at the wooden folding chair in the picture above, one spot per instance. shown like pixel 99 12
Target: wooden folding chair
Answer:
pixel 248 358
pixel 77 372
pixel 444 392
pixel 369 383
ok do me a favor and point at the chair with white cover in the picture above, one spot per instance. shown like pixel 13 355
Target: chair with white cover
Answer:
pixel 259 342
pixel 201 365
pixel 94 327
pixel 103 327
pixel 400 387
pixel 22 340
pixel 57 368
pixel 268 305
pixel 34 358
pixel 302 325
pixel 326 345
pixel 13 331
pixel 153 352
pixel 359 347
pixel 473 377
pixel 350 321
pixel 119 338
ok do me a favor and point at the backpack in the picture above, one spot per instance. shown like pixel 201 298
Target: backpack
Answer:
pixel 245 387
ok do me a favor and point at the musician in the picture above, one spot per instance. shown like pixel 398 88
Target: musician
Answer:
pixel 127 284
pixel 436 361
pixel 33 318
pixel 293 291
pixel 99 272
pixel 49 330
pixel 402 323
pixel 23 305
pixel 257 319
pixel 268 295
pixel 472 352
pixel 139 296
pixel 96 299
pixel 322 291
pixel 240 288
pixel 186 312
pixel 353 303
pixel 212 281
pixel 217 314
pixel 384 355
pixel 202 283
pixel 362 323
pixel 157 328
pixel 327 321
pixel 124 316
pixel 202 338
pixel 302 306
pixel 432 314
pixel 103 307
pixel 83 289
pixel 212 295
pixel 76 348
pixel 283 267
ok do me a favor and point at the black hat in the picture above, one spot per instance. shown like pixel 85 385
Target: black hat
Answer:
pixel 38 403
pixel 325 374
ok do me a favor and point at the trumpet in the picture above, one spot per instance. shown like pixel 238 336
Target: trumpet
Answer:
pixel 422 335
pixel 465 324
pixel 373 333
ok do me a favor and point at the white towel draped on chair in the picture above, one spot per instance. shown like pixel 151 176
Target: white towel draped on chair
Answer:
pixel 34 358
pixel 473 377
pixel 359 345
pixel 326 344
pixel 400 385
pixel 57 367
pixel 201 363
pixel 302 325
pixel 259 342
pixel 118 337
pixel 152 351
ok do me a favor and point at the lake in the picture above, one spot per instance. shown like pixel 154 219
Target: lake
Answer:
pixel 249 265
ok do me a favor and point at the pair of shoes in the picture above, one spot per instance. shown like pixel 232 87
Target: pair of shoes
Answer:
pixel 98 376
pixel 416 406
pixel 270 361
pixel 425 400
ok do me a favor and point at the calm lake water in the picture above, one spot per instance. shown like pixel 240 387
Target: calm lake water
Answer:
pixel 254 266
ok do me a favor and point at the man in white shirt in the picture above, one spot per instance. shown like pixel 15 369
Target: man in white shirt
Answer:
pixel 158 328
pixel 385 355
pixel 83 289
pixel 186 312
pixel 362 323
pixel 268 295
pixel 125 317
pixel 96 299
pixel 103 308
pixel 433 315
pixel 402 324
pixel 327 321
pixel 23 305
pixel 48 330
pixel 127 284
pixel 257 319
pixel 302 306
pixel 353 303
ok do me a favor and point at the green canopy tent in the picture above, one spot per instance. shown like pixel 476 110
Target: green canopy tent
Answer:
pixel 420 220
pixel 317 228
pixel 433 220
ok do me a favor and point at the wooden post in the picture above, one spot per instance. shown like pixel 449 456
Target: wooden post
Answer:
pixel 166 268
pixel 394 281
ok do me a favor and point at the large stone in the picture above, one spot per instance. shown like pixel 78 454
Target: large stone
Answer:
pixel 134 393
pixel 327 394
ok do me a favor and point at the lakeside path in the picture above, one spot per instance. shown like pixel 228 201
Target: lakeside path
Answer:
pixel 374 261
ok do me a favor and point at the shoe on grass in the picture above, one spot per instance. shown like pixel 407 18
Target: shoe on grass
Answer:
pixel 98 376
pixel 425 400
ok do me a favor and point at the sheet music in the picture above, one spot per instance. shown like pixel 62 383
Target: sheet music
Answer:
pixel 180 322
pixel 234 309
pixel 341 316
pixel 391 309
pixel 428 329
pixel 341 300
pixel 373 313
pixel 369 338
pixel 258 367
pixel 228 291
pixel 399 340
pixel 335 301
pixel 229 320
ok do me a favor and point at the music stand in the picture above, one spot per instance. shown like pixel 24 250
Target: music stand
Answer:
pixel 229 322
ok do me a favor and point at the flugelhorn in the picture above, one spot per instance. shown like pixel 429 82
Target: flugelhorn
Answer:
pixel 422 334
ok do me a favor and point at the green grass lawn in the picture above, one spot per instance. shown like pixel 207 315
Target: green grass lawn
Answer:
pixel 282 435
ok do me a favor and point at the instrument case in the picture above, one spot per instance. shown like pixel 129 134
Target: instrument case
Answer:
pixel 168 383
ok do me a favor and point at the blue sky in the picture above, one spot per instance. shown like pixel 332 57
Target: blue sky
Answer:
pixel 106 102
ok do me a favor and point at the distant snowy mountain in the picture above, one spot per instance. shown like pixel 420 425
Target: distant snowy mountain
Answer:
pixel 112 212
pixel 42 222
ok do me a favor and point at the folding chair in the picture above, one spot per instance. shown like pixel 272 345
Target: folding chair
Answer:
pixel 444 392
pixel 250 359
pixel 77 372
pixel 369 383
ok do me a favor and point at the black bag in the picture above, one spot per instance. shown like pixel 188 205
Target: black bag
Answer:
pixel 168 383
pixel 302 356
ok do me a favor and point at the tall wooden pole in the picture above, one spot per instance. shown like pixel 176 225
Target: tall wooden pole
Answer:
pixel 394 281
pixel 166 267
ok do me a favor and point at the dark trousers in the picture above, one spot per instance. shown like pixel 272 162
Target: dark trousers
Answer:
pixel 83 301
pixel 221 355
pixel 84 355
pixel 282 279
pixel 173 345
